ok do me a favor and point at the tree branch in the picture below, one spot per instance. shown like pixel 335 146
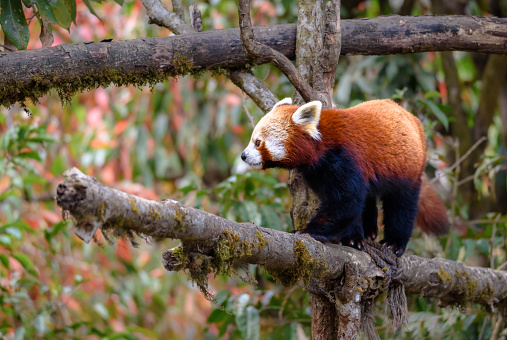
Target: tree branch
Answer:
pixel 289 258
pixel 69 68
pixel 161 16
pixel 246 81
pixel 261 51
pixel 254 88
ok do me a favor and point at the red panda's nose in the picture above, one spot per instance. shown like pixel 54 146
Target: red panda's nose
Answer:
pixel 243 155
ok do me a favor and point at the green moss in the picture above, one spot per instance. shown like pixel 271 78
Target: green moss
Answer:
pixel 227 250
pixel 302 270
pixel 101 210
pixel 179 217
pixel 40 84
pixel 444 276
pixel 135 209
pixel 155 214
pixel 198 266
pixel 262 240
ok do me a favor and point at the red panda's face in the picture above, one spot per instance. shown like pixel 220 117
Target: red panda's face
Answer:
pixel 273 137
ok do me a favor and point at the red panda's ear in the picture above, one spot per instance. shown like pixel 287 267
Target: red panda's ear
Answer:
pixel 287 101
pixel 308 117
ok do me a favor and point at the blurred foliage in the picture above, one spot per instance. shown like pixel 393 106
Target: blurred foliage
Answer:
pixel 183 141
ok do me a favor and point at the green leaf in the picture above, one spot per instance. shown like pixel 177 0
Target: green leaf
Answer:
pixel 5 260
pixel 90 8
pixel 442 117
pixel 62 13
pixel 14 25
pixel 15 232
pixel 5 240
pixel 46 11
pixel 30 154
pixel 247 321
pixel 119 2
pixel 73 10
pixel 26 263
pixel 217 315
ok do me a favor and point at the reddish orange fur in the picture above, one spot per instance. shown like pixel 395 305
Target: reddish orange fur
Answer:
pixel 384 140
pixel 431 212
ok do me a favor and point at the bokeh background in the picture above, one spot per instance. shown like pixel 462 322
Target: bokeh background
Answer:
pixel 181 139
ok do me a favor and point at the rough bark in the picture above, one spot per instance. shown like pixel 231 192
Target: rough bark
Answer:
pixel 93 205
pixel 245 80
pixel 318 43
pixel 76 67
pixel 260 51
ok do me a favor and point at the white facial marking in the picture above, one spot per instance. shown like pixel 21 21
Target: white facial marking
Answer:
pixel 276 149
pixel 252 156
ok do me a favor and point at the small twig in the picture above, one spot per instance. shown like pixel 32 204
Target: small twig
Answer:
pixel 161 16
pixel 254 88
pixel 486 318
pixel 492 242
pixel 483 221
pixel 30 19
pixel 178 9
pixel 461 159
pixel 260 51
pixel 502 266
pixel 285 300
pixel 250 118
pixel 465 180
pixel 496 328
pixel 195 17
pixel 455 184
pixel 8 48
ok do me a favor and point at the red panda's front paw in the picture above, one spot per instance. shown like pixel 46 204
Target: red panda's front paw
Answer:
pixel 357 243
pixel 398 250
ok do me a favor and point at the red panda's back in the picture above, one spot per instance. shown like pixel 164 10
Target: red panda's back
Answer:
pixel 384 139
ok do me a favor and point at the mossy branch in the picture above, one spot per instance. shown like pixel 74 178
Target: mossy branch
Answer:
pixel 73 68
pixel 218 244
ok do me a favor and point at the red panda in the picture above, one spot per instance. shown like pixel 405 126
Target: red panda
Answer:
pixel 350 157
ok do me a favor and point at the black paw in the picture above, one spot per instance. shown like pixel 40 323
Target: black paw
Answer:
pixel 371 236
pixel 356 242
pixel 397 249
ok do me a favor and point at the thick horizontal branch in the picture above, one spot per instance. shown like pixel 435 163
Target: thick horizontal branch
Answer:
pixel 76 67
pixel 94 205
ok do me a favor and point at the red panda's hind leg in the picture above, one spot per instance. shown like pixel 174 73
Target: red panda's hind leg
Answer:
pixel 400 209
pixel 370 215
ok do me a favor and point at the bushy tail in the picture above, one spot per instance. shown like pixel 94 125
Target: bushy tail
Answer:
pixel 431 211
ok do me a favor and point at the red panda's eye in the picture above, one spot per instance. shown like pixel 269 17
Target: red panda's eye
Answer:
pixel 258 142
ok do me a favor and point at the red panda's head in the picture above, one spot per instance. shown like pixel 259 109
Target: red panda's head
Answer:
pixel 285 136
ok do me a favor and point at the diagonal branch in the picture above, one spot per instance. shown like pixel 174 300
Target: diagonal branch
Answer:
pixel 261 51
pixel 289 258
pixel 161 16
pixel 246 81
